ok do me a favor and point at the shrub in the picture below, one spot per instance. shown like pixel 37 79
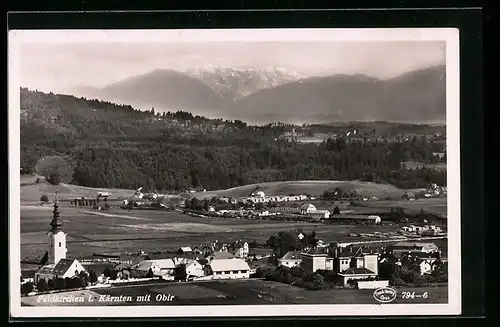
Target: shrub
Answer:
pixel 27 287
pixel 54 178
pixel 42 285
pixel 44 198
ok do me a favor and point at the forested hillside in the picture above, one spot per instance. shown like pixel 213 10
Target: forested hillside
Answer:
pixel 116 146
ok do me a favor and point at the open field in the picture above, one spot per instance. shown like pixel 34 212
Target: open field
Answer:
pixel 32 193
pixel 247 292
pixel 159 231
pixel 432 205
pixel 314 188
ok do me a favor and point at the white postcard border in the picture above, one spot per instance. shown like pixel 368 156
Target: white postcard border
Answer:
pixel 448 35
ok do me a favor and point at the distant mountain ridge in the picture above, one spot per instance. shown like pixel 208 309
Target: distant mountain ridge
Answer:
pixel 413 97
pixel 233 84
pixel 262 95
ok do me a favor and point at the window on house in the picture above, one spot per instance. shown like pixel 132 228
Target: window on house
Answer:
pixel 235 271
pixel 59 244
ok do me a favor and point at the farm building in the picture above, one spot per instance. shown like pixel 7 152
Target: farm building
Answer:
pixel 371 218
pixel 220 255
pixel 356 274
pixel 307 208
pixel 400 248
pixel 319 214
pixel 259 194
pixel 408 196
pixel 65 268
pixel 158 267
pixel 228 269
pixel 316 259
pixel 184 250
pixel 290 259
pixel 194 269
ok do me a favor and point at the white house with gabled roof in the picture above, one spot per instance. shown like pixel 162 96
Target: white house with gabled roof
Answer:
pixel 228 269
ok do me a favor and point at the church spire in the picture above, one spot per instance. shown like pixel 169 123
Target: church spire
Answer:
pixel 56 222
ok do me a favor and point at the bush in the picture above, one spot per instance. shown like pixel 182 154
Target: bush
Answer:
pixel 42 285
pixel 54 178
pixel 27 287
pixel 44 198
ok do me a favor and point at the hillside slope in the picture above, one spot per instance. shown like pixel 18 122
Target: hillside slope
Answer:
pixel 416 96
pixel 166 90
pixel 313 188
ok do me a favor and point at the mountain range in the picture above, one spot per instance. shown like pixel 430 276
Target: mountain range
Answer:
pixel 262 95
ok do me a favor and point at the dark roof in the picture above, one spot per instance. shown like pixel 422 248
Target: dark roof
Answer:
pixel 123 266
pixel 315 251
pixel 423 255
pixel 292 255
pixel 222 255
pixel 355 251
pixel 46 269
pixel 357 271
pixel 62 266
pixel 202 261
pixel 28 273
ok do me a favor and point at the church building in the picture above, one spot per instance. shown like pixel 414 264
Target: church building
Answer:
pixel 57 265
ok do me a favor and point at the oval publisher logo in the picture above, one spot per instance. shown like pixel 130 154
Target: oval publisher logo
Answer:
pixel 385 294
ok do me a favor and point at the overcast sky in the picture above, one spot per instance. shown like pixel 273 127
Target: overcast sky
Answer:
pixel 59 67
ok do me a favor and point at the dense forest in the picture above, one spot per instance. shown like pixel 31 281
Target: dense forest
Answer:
pixel 109 145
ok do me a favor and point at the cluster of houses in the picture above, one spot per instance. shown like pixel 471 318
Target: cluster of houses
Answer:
pixel 361 263
pixel 260 197
pixel 200 263
pixel 221 261
pixel 307 210
pixel 435 190
pixel 425 230
pixel 212 261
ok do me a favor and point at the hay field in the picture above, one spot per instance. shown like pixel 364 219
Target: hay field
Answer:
pixel 314 188
pixel 158 231
pixel 433 205
pixel 33 192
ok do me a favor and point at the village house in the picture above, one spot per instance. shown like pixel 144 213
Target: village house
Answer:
pixel 426 261
pixel 316 259
pixel 57 265
pixel 242 252
pixel 217 255
pixel 351 263
pixel 401 248
pixel 195 269
pixel 291 259
pixel 357 274
pixel 184 250
pixel 65 268
pixel 227 269
pixel 159 267
pixel 307 208
pixel 371 219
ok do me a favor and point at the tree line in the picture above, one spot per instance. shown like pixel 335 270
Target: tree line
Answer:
pixel 107 145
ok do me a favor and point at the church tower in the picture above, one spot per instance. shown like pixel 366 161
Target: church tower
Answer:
pixel 57 238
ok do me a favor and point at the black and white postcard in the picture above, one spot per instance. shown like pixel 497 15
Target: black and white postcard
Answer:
pixel 266 172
